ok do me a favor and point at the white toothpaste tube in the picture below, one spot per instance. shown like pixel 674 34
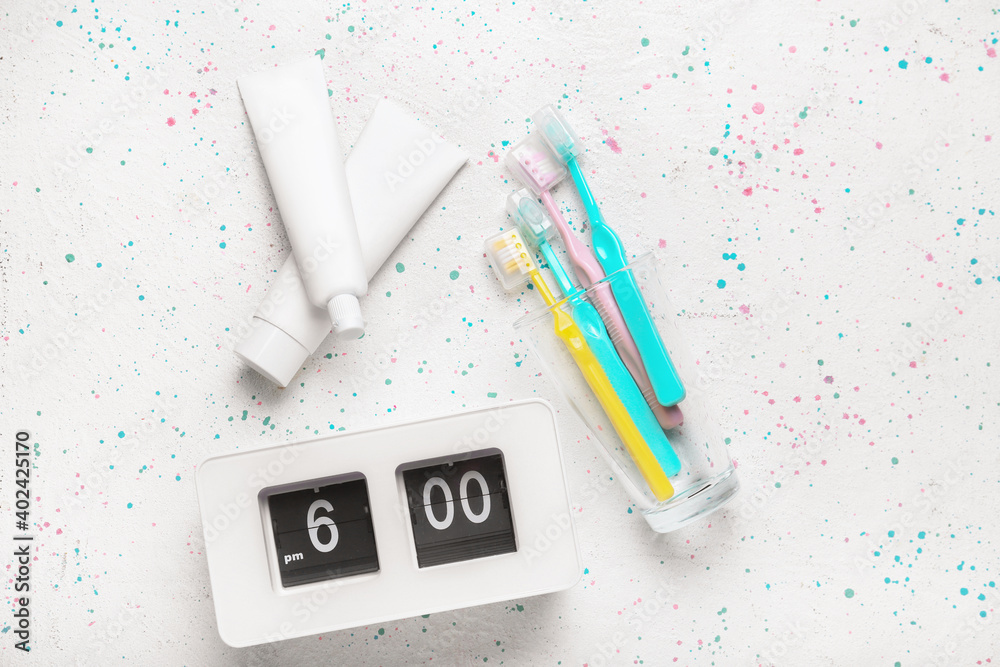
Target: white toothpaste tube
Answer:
pixel 289 110
pixel 397 168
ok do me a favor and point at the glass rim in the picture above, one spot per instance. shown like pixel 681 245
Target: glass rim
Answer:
pixel 533 316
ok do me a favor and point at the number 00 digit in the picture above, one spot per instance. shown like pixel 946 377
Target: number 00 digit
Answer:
pixel 315 522
pixel 449 500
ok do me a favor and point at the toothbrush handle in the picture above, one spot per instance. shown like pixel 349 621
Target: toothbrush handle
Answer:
pixel 644 459
pixel 611 254
pixel 590 324
pixel 589 271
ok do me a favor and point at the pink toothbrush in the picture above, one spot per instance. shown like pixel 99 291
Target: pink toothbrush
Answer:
pixel 532 162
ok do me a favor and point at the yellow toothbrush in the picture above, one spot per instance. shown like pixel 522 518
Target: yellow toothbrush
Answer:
pixel 513 266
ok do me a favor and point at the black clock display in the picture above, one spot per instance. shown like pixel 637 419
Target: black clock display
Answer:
pixel 323 532
pixel 459 510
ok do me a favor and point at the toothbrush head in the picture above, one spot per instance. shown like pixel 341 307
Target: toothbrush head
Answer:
pixel 532 220
pixel 556 132
pixel 534 164
pixel 511 258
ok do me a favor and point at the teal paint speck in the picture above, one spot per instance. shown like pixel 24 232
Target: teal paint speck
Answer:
pixel 453 275
pixel 142 298
pixel 964 591
pixel 713 151
pixel 121 434
pixel 222 245
pixel 70 258
pixel 645 41
pixel 130 505
pixel 721 284
pixel 921 535
pixel 903 64
pixel 399 267
pixel 849 593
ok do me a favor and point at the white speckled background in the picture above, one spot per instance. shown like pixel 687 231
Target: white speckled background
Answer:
pixel 820 179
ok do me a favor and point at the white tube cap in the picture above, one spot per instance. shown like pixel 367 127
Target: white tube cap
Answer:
pixel 272 352
pixel 345 311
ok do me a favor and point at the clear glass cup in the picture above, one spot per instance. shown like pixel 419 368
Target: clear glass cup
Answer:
pixel 707 479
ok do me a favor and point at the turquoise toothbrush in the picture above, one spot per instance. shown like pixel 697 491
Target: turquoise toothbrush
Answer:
pixel 536 227
pixel 610 252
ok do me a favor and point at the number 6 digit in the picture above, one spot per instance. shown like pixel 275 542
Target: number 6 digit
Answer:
pixel 315 522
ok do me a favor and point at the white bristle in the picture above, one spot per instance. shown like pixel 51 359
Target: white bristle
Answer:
pixel 511 258
pixel 535 165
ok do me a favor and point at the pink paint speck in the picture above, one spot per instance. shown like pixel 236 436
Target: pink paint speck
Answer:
pixel 797 151
pixel 944 77
pixel 642 194
pixel 930 257
pixel 748 192
pixel 792 49
pixel 913 364
pixel 647 86
pixel 878 145
pixel 171 122
pixel 758 108
pixel 991 52
pixel 663 243
pixel 989 137
pixel 745 309
pixel 271 27
pixel 613 145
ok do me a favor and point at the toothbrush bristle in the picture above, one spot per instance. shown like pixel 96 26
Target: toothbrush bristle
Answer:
pixel 535 165
pixel 511 258
pixel 531 219
pixel 512 252
pixel 557 132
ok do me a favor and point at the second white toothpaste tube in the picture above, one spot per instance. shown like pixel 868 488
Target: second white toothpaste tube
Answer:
pixel 290 113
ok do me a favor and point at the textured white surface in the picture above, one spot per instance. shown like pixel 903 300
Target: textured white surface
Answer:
pixel 853 347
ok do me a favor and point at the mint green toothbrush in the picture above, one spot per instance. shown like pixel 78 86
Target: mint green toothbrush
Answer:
pixel 536 228
pixel 610 252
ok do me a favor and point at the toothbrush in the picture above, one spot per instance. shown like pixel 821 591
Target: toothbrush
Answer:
pixel 536 167
pixel 559 136
pixel 513 265
pixel 536 228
